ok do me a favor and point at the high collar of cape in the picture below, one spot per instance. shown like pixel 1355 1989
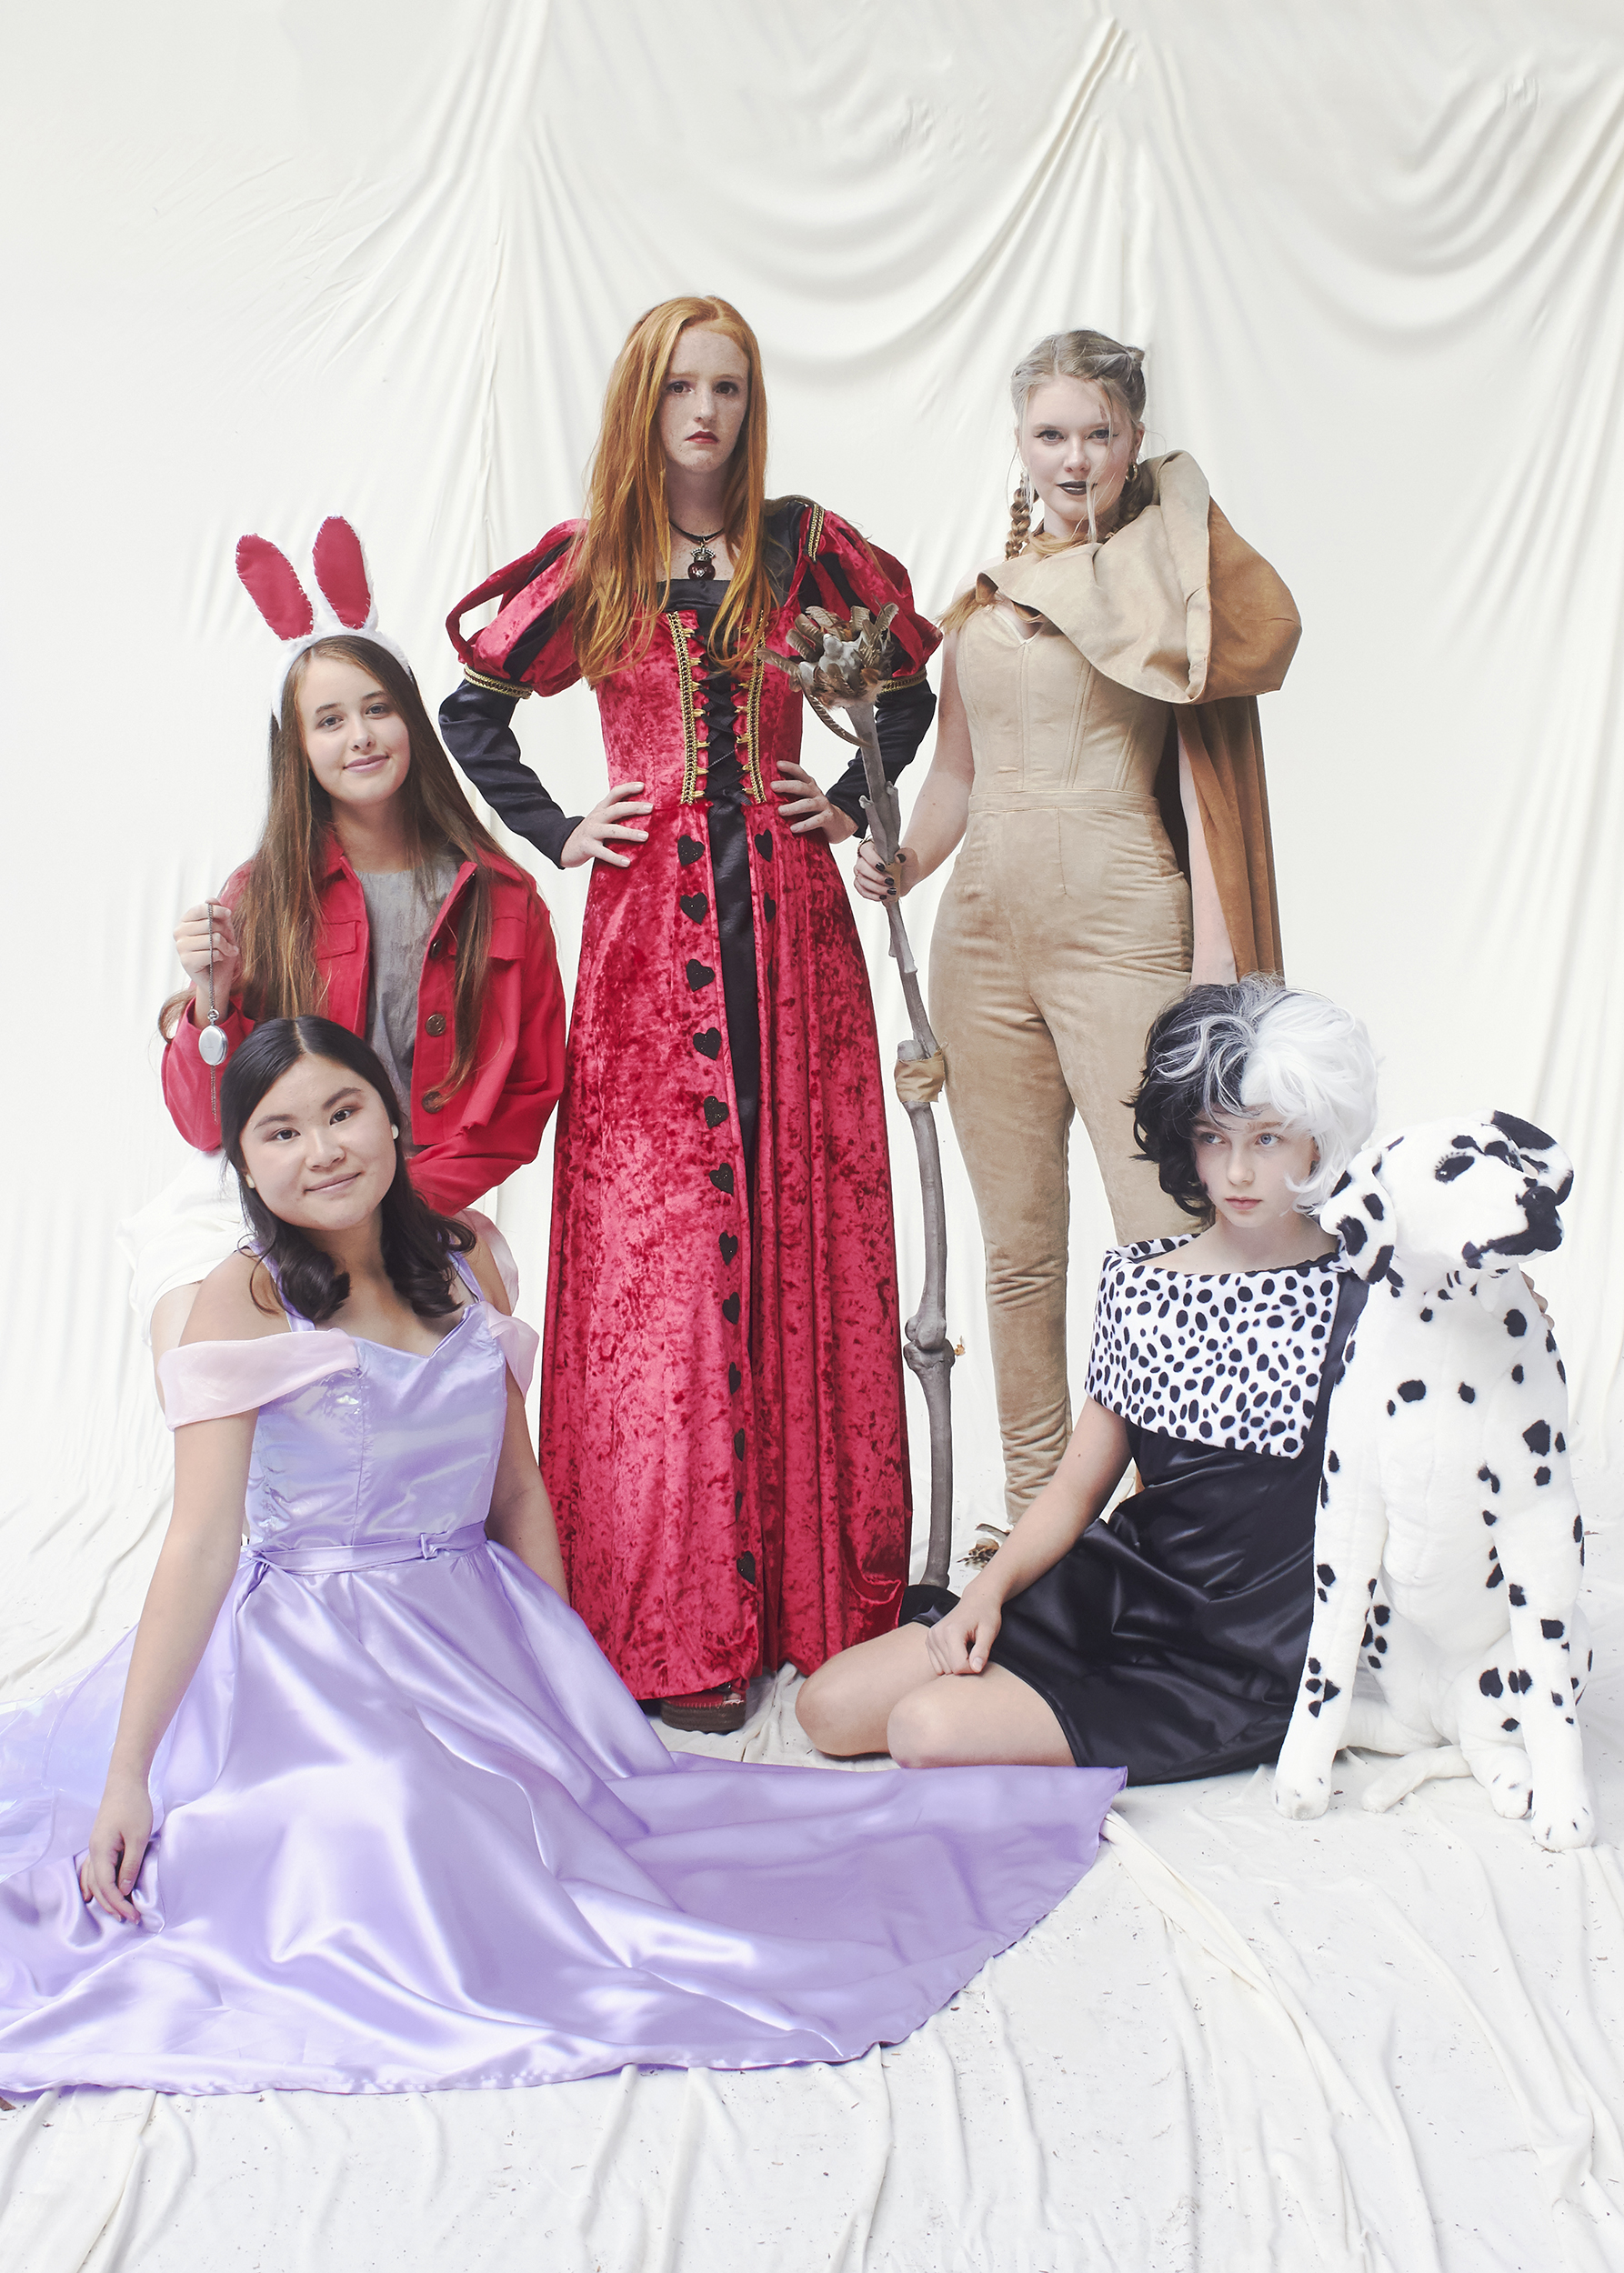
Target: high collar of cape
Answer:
pixel 1175 605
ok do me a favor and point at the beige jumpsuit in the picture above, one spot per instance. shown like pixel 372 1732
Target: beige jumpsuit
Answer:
pixel 1066 924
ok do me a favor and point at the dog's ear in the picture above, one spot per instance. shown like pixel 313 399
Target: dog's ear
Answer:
pixel 1541 1156
pixel 1360 1214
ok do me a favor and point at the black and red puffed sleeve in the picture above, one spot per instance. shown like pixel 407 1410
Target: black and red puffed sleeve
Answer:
pixel 528 647
pixel 838 569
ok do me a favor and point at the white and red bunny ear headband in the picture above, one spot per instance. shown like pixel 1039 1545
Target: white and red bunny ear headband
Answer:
pixel 341 580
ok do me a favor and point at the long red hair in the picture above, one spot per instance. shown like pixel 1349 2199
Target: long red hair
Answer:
pixel 622 561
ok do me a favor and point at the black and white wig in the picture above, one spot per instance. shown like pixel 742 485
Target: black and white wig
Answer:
pixel 1256 1045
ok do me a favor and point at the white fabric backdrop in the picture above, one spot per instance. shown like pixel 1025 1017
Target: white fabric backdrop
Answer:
pixel 282 260
pixel 276 260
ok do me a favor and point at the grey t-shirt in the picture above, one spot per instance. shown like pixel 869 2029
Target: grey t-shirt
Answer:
pixel 400 914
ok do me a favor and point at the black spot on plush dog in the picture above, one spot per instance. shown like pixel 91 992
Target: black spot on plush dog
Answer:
pixel 1411 1481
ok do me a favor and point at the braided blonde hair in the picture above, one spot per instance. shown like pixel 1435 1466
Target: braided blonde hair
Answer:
pixel 1117 371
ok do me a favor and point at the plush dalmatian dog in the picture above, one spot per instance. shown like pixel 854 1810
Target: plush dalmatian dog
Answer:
pixel 1449 1544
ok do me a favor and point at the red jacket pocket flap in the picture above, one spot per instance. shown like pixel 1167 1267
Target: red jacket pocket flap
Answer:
pixel 507 938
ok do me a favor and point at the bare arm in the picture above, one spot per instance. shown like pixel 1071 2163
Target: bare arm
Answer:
pixel 195 1567
pixel 521 1515
pixel 1090 1471
pixel 1214 957
pixel 941 809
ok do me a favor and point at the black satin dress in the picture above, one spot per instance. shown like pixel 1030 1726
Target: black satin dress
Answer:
pixel 1171 1639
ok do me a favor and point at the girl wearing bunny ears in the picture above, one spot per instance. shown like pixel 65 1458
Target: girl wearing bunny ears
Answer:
pixel 375 897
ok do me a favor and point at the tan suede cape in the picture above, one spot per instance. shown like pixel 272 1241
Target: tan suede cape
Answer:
pixel 1177 606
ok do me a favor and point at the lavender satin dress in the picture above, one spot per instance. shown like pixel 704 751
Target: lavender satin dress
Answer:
pixel 410 1832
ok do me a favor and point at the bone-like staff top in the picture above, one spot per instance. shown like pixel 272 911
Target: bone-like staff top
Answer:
pixel 842 666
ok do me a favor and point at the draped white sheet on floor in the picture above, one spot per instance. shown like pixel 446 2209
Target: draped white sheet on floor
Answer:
pixel 274 261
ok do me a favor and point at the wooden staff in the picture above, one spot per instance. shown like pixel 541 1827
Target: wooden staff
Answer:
pixel 842 667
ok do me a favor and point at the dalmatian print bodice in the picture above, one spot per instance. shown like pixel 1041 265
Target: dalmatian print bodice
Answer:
pixel 1229 1359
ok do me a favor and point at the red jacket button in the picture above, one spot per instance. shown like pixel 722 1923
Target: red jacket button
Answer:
pixel 434 1023
pixel 433 1102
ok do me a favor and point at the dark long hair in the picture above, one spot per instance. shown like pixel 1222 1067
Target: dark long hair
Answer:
pixel 278 909
pixel 417 1242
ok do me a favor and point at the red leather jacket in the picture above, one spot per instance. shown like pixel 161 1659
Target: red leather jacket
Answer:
pixel 493 1123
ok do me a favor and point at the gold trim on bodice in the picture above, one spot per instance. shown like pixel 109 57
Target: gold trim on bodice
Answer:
pixel 746 709
pixel 692 697
pixel 691 702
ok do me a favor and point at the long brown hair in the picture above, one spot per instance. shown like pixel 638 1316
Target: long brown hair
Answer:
pixel 277 913
pixel 1118 373
pixel 622 560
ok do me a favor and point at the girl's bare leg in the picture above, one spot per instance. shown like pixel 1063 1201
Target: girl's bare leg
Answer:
pixel 974 1720
pixel 883 1695
pixel 847 1703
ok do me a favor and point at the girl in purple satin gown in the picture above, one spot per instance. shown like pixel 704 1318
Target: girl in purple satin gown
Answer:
pixel 380 1816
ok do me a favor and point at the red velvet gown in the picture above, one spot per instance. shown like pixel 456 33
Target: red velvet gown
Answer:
pixel 722 1429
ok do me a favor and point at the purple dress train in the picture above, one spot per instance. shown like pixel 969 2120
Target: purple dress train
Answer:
pixel 411 1833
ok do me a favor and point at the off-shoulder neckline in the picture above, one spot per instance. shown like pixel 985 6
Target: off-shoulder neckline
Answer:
pixel 300 1334
pixel 474 1293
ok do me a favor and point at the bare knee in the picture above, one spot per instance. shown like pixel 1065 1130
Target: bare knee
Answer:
pixel 917 1733
pixel 823 1706
pixel 844 1705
